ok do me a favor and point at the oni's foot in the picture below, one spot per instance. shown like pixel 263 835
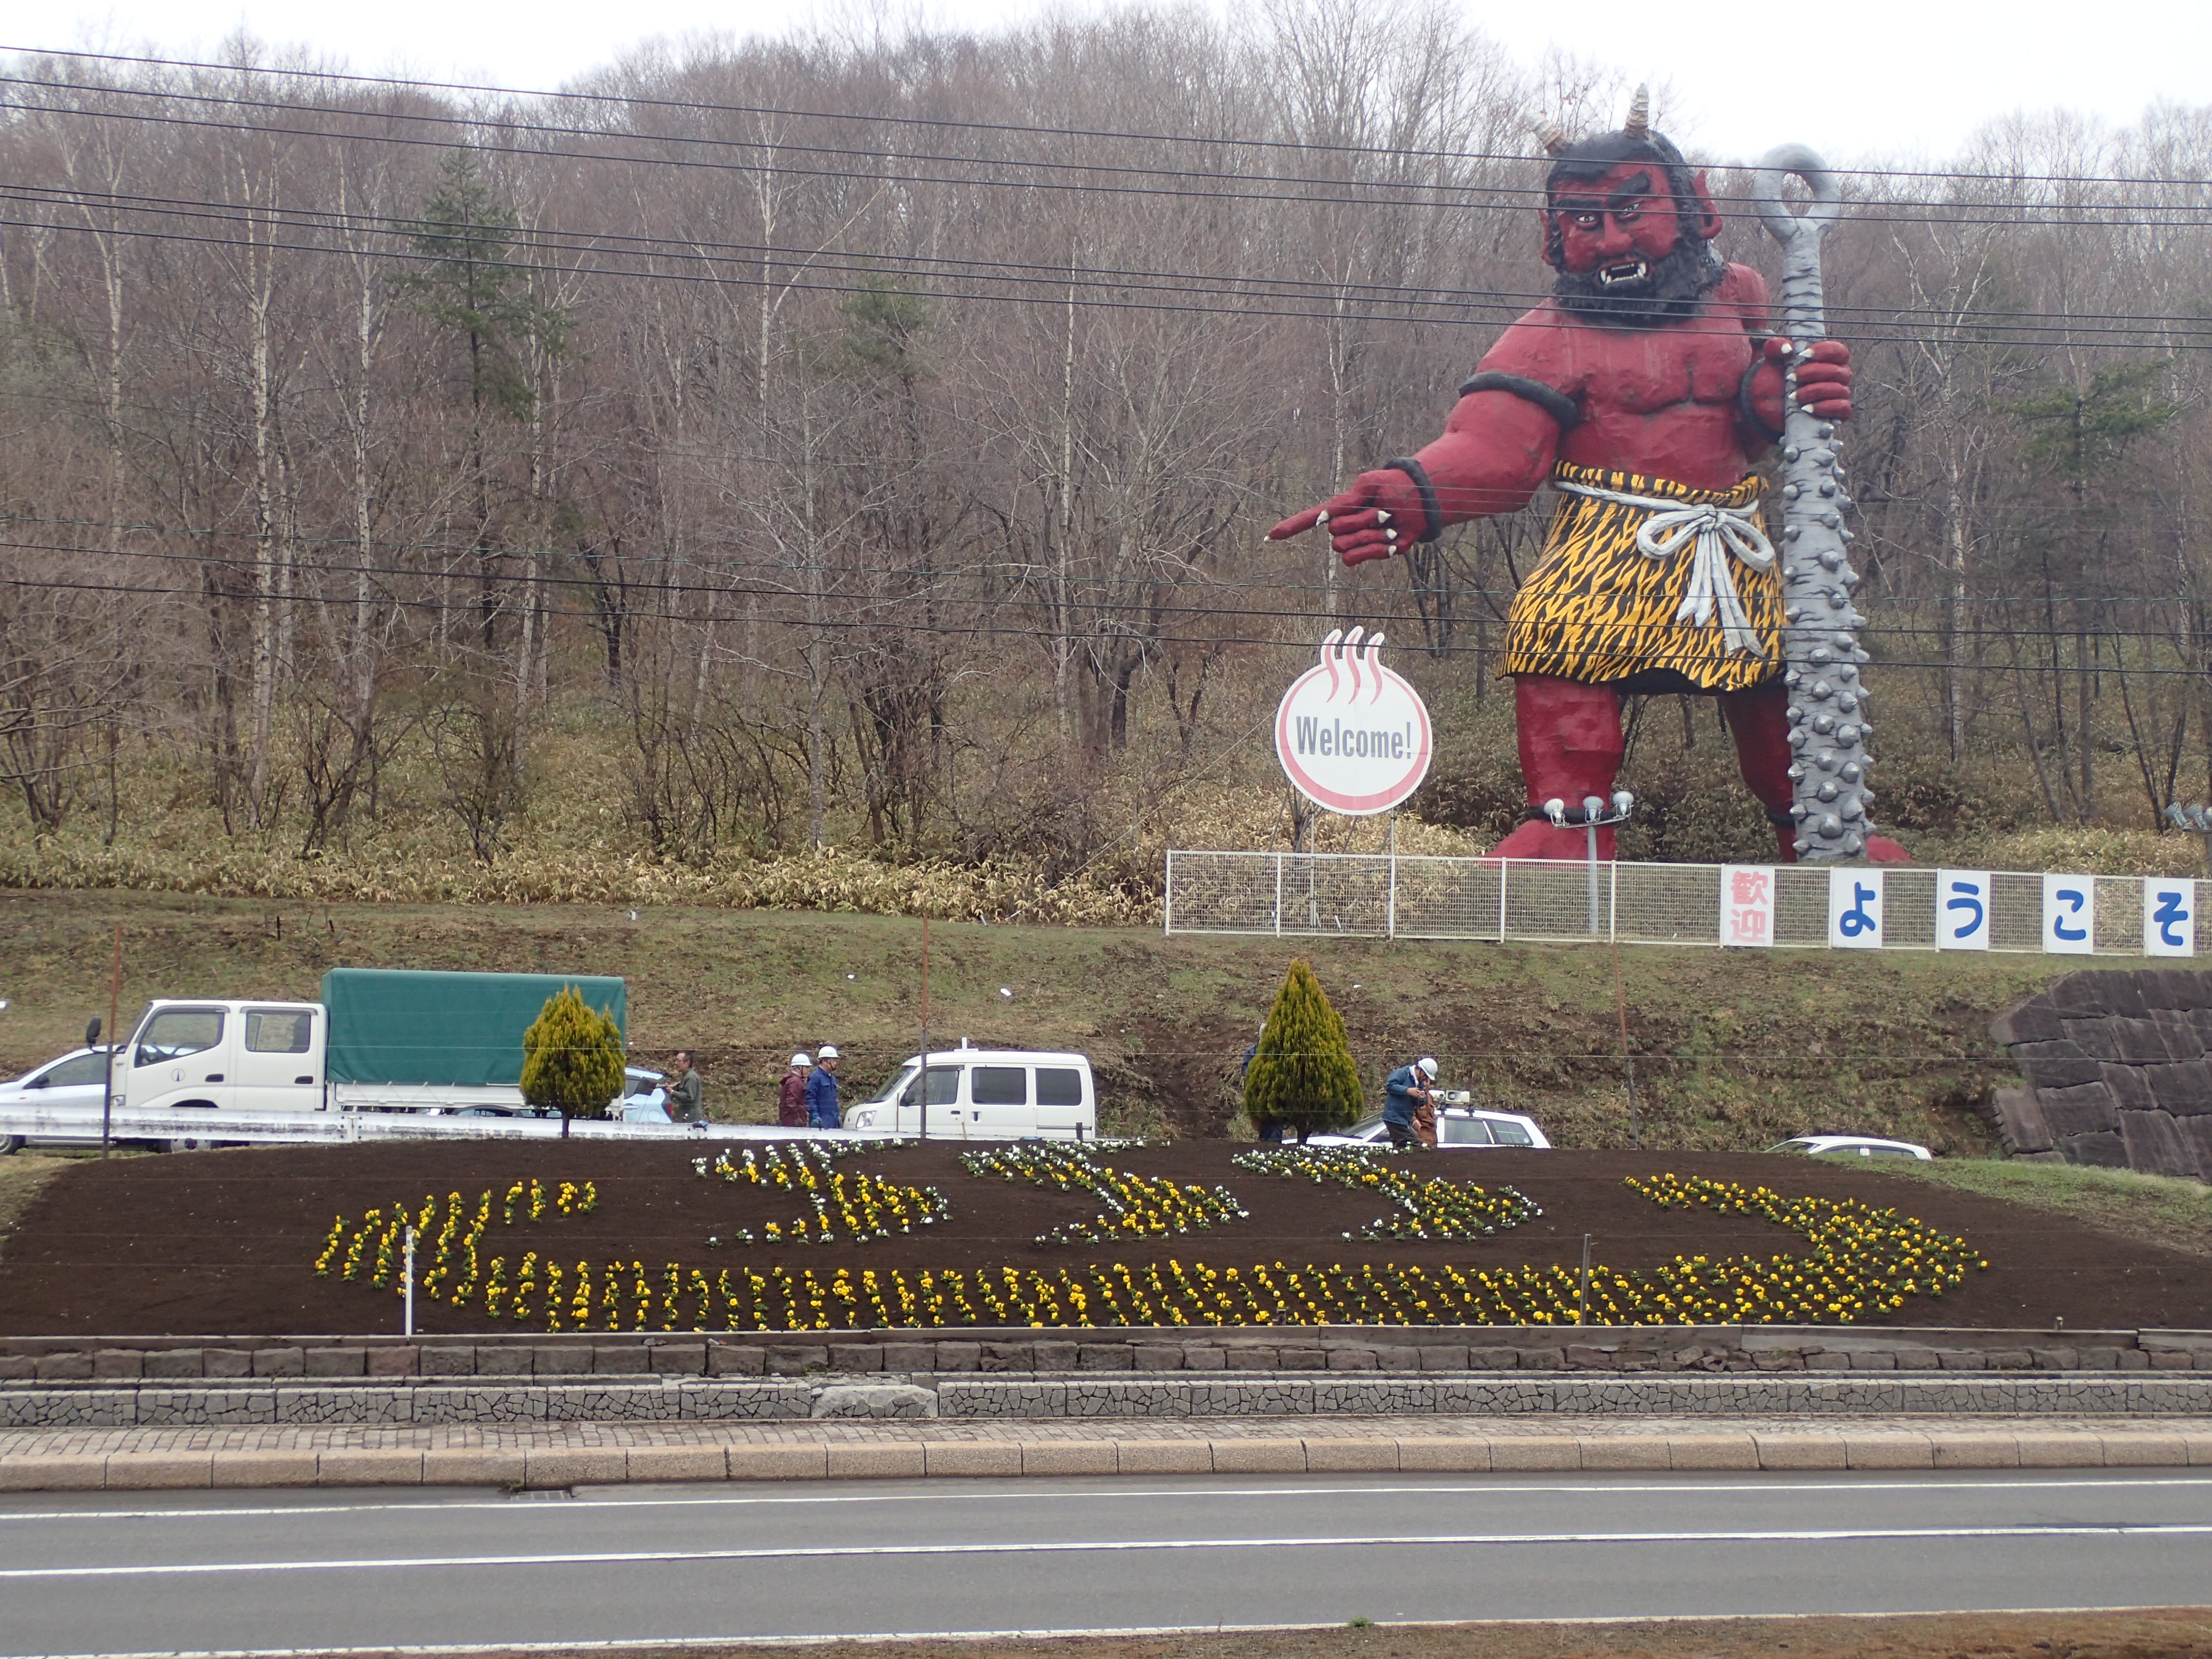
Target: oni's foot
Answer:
pixel 1880 849
pixel 1539 839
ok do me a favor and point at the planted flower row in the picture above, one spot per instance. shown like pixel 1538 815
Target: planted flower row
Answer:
pixel 853 1209
pixel 1428 1207
pixel 447 1262
pixel 1136 1205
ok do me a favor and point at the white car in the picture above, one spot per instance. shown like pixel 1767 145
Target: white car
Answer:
pixel 75 1079
pixel 1457 1126
pixel 644 1100
pixel 1853 1146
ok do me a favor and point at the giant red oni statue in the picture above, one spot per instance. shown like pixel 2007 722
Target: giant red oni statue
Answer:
pixel 1641 391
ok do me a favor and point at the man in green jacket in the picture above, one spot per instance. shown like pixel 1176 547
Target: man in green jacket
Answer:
pixel 686 1104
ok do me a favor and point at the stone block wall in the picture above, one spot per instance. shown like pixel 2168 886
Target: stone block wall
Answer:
pixel 2118 1070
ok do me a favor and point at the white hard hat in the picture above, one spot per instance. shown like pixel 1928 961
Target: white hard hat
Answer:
pixel 1427 1064
pixel 828 1051
pixel 801 1060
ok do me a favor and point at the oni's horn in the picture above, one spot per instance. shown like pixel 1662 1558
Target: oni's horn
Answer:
pixel 1552 136
pixel 1639 114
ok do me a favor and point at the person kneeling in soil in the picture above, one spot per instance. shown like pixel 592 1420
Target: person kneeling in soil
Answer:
pixel 1405 1097
pixel 791 1096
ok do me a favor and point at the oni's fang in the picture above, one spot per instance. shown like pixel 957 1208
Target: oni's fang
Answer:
pixel 1352 736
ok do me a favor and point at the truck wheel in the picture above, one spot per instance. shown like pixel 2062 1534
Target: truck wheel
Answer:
pixel 10 1144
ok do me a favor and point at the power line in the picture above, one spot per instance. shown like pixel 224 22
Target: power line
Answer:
pixel 1185 575
pixel 626 100
pixel 1057 276
pixel 1417 195
pixel 749 279
pixel 1513 194
pixel 899 609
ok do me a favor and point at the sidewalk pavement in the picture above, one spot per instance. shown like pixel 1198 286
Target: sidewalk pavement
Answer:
pixel 590 1454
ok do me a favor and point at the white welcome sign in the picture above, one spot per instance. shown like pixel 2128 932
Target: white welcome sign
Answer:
pixel 1352 736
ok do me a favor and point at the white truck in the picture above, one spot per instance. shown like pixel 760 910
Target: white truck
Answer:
pixel 380 1040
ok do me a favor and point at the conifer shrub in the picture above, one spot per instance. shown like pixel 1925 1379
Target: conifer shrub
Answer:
pixel 1303 1075
pixel 572 1058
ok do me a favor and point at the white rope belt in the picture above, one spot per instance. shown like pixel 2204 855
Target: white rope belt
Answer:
pixel 1720 531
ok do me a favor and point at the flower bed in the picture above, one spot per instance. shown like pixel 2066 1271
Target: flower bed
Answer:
pixel 1863 1260
pixel 229 1242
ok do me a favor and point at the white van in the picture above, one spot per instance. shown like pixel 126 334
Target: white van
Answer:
pixel 986 1094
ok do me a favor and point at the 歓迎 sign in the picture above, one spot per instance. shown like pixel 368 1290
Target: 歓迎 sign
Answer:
pixel 1352 736
pixel 1747 904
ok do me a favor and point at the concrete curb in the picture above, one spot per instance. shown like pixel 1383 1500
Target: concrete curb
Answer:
pixel 562 1461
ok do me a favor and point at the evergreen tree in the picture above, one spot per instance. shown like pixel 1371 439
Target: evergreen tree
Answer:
pixel 1303 1075
pixel 572 1058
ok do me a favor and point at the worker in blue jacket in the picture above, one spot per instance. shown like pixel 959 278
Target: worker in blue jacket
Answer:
pixel 822 1090
pixel 1403 1095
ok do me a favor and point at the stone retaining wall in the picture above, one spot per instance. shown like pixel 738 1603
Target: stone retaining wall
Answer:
pixel 2081 1394
pixel 2119 1072
pixel 1632 1349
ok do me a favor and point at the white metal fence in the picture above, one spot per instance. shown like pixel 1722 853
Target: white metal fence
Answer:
pixel 1380 896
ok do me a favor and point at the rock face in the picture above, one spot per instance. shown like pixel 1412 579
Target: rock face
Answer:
pixel 2119 1072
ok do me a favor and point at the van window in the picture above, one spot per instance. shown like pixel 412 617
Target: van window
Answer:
pixel 278 1031
pixel 943 1086
pixel 1059 1085
pixel 1508 1134
pixel 1001 1085
pixel 1466 1132
pixel 176 1032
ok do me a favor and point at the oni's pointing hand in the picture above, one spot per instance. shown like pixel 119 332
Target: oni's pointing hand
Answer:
pixel 1378 515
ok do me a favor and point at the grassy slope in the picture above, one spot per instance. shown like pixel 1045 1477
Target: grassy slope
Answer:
pixel 2152 1208
pixel 1735 1050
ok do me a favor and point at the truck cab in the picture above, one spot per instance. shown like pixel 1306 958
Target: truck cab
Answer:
pixel 248 1056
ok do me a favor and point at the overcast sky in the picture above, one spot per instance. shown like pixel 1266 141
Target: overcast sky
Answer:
pixel 1902 79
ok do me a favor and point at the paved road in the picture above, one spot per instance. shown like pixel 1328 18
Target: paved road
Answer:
pixel 220 1572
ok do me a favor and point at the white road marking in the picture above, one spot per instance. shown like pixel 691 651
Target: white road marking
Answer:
pixel 941 1495
pixel 1076 1546
pixel 633 1644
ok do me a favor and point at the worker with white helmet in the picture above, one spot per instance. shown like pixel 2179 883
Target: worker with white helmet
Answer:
pixel 822 1111
pixel 1404 1096
pixel 791 1095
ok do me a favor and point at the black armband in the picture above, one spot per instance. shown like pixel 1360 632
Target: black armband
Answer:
pixel 1432 514
pixel 1752 417
pixel 1555 403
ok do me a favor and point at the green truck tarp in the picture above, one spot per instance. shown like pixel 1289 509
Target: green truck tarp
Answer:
pixel 393 1025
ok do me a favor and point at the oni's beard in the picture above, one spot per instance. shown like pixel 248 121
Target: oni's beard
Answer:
pixel 1670 289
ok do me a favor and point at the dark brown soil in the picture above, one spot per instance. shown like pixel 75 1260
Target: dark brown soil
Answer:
pixel 2182 1633
pixel 223 1241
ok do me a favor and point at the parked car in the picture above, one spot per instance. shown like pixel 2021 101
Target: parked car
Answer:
pixel 74 1079
pixel 986 1094
pixel 1457 1126
pixel 1851 1146
pixel 644 1100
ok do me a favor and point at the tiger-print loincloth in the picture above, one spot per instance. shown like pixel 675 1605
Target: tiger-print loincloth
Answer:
pixel 1598 610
